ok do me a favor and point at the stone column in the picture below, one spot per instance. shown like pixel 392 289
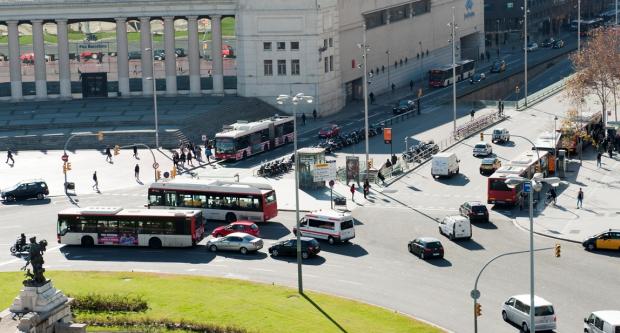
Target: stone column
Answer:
pixel 216 55
pixel 63 59
pixel 147 55
pixel 15 63
pixel 40 75
pixel 193 55
pixel 122 57
pixel 171 59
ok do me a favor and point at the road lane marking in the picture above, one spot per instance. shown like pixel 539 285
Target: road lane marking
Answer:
pixel 262 269
pixel 351 282
pixel 10 261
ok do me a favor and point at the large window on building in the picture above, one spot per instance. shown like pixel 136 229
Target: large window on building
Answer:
pixel 421 7
pixel 295 67
pixel 399 13
pixel 375 19
pixel 268 67
pixel 281 67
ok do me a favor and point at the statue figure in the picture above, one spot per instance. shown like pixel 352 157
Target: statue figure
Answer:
pixel 35 259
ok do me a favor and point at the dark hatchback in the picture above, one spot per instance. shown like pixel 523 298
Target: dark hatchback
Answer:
pixel 404 105
pixel 475 211
pixel 26 190
pixel 426 247
pixel 309 247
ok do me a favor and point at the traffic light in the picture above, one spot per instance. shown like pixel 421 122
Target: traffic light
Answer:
pixel 558 249
pixel 157 175
pixel 117 150
pixel 370 164
pixel 478 309
pixel 66 167
pixel 481 136
pixel 100 136
pixel 173 172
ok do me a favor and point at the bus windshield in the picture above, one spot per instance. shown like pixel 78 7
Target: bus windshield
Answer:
pixel 498 185
pixel 437 75
pixel 225 145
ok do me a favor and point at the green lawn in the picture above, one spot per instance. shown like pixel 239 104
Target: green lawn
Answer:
pixel 228 29
pixel 257 307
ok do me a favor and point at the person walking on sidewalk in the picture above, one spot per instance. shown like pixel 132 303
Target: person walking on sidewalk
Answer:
pixel 135 152
pixel 599 156
pixel 393 87
pixel 410 85
pixel 553 195
pixel 352 192
pixel 182 159
pixel 208 153
pixel 9 156
pixel 372 97
pixel 96 182
pixel 366 188
pixel 610 150
pixel 472 113
pixel 314 114
pixel 189 158
pixel 303 118
pixel 580 198
pixel 136 172
pixel 175 160
pixel 108 154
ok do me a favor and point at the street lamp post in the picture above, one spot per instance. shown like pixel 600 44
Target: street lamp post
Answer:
pixel 365 50
pixel 453 34
pixel 154 91
pixel 497 38
pixel 578 25
pixel 525 50
pixel 388 67
pixel 294 100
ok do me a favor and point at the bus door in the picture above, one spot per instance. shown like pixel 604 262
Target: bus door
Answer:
pixel 171 199
pixel 272 136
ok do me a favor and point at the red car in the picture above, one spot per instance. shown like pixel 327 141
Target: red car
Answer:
pixel 329 131
pixel 240 226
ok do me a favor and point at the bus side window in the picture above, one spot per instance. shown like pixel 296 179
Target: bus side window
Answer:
pixel 171 199
pixel 156 199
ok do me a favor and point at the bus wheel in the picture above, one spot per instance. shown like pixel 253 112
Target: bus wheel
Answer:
pixel 231 217
pixel 154 243
pixel 87 241
pixel 331 240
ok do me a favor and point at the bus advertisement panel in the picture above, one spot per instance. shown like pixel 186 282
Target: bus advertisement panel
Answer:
pixel 218 200
pixel 129 227
pixel 242 139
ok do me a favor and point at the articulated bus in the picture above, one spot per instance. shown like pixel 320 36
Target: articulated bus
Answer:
pixel 130 227
pixel 218 200
pixel 524 166
pixel 442 76
pixel 242 139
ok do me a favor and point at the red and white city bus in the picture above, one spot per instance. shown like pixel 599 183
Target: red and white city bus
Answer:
pixel 525 166
pixel 218 200
pixel 243 139
pixel 130 227
pixel 442 76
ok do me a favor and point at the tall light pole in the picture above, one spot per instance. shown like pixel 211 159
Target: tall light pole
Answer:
pixel 388 66
pixel 294 100
pixel 578 25
pixel 525 48
pixel 154 91
pixel 497 38
pixel 365 50
pixel 453 34
pixel 421 62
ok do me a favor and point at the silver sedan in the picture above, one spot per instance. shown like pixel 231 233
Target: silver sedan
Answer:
pixel 237 241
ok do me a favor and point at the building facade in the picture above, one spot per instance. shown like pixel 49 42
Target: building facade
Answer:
pixel 281 46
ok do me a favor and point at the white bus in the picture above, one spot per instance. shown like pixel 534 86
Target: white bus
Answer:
pixel 243 139
pixel 130 227
pixel 218 200
pixel 442 76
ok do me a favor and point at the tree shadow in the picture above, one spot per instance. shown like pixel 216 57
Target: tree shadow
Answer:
pixel 325 314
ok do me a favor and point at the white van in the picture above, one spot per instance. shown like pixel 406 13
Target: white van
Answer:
pixel 517 310
pixel 331 225
pixel 456 226
pixel 444 164
pixel 602 322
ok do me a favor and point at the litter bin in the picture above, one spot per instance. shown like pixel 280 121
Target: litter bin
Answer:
pixel 70 185
pixel 340 201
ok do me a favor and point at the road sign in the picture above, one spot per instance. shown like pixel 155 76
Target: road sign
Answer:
pixel 65 158
pixel 204 137
pixel 324 171
pixel 331 183
pixel 155 165
pixel 475 294
pixel 527 187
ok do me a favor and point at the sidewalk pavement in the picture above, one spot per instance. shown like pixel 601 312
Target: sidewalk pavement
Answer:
pixel 601 208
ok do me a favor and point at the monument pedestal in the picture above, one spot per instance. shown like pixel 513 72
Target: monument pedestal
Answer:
pixel 43 309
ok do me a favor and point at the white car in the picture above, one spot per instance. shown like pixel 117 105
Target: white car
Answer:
pixel 532 47
pixel 482 149
pixel 607 321
pixel 517 310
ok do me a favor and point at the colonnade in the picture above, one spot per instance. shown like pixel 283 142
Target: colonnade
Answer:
pixel 122 54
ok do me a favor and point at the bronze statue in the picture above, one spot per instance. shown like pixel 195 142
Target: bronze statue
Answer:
pixel 35 259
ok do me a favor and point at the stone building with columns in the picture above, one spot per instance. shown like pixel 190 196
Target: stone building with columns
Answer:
pixel 281 47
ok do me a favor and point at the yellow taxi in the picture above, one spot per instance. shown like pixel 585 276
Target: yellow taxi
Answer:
pixel 608 240
pixel 489 165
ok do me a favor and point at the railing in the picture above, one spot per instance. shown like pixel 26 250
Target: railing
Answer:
pixel 397 118
pixel 541 94
pixel 475 125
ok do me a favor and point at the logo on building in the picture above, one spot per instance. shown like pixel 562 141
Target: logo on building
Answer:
pixel 469 9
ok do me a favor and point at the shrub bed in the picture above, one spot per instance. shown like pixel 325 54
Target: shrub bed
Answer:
pixel 112 302
pixel 156 325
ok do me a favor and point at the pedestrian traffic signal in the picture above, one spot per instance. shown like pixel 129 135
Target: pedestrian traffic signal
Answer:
pixel 66 167
pixel 100 136
pixel 558 249
pixel 117 150
pixel 370 164
pixel 157 175
pixel 173 173
pixel 478 309
pixel 481 136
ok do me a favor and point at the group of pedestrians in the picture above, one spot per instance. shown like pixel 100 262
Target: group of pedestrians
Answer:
pixel 366 189
pixel 188 152
pixel 314 116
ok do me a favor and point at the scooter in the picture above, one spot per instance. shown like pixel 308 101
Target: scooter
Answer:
pixel 18 247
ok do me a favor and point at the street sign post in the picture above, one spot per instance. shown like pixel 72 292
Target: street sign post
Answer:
pixel 527 187
pixel 65 157
pixel 331 193
pixel 475 294
pixel 155 165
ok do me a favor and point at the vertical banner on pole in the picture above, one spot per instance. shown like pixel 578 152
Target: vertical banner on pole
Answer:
pixel 387 135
